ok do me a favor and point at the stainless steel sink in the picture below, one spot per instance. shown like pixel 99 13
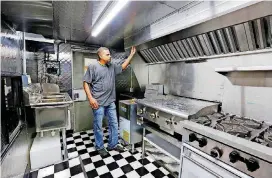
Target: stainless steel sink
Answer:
pixel 52 99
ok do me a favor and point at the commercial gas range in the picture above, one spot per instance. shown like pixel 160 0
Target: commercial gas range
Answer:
pixel 169 111
pixel 226 145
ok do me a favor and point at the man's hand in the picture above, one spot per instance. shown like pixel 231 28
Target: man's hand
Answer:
pixel 132 51
pixel 127 61
pixel 93 103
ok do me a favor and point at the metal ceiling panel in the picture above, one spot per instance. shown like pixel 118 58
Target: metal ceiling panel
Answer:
pixel 250 35
pixel 29 16
pixel 215 43
pixel 153 11
pixel 192 47
pixel 230 38
pixel 197 45
pixel 174 51
pixel 260 32
pixel 78 35
pixel 180 44
pixel 187 48
pixel 176 4
pixel 178 50
pixel 222 41
pixel 98 8
pixel 203 45
pixel 241 37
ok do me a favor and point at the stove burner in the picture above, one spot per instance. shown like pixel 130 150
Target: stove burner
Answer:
pixel 204 120
pixel 268 137
pixel 234 129
pixel 247 122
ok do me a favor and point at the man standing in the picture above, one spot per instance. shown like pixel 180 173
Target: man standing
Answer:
pixel 99 85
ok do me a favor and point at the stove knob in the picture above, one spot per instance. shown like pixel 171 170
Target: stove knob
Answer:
pixel 252 164
pixel 202 142
pixel 216 152
pixel 192 137
pixel 234 156
pixel 153 115
pixel 140 111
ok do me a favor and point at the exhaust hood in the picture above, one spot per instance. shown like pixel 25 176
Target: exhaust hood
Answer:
pixel 224 35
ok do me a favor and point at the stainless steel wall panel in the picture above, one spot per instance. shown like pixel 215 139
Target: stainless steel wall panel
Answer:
pixel 222 41
pixel 208 43
pixel 168 57
pixel 176 46
pixel 250 35
pixel 192 47
pixel 241 37
pixel 215 43
pixel 203 45
pixel 187 48
pixel 11 54
pixel 197 45
pixel 199 80
pixel 261 34
pixel 173 58
pixel 230 38
pixel 174 51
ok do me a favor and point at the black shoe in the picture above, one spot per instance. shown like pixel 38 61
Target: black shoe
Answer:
pixel 103 152
pixel 117 148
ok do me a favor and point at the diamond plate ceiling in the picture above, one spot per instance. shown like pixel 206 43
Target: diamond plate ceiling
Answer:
pixel 29 16
pixel 73 20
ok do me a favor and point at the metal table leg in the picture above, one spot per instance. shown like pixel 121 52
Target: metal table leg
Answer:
pixel 64 143
pixel 143 144
pixel 132 148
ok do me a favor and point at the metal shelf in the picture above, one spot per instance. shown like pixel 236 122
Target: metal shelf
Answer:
pixel 226 70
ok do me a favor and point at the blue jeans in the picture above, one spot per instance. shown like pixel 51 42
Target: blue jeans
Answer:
pixel 110 112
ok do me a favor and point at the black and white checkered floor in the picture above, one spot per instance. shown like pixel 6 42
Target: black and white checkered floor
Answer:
pixel 116 164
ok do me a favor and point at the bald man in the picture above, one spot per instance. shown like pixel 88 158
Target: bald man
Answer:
pixel 99 85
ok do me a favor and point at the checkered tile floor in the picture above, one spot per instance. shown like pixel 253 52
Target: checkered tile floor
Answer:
pixel 68 169
pixel 116 164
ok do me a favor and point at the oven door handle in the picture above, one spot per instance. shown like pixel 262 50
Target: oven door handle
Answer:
pixel 200 165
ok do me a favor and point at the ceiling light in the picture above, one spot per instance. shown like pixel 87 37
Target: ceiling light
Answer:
pixel 110 13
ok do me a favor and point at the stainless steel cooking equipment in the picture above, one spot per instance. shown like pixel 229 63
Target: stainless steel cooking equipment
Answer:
pixel 169 111
pixel 130 131
pixel 230 141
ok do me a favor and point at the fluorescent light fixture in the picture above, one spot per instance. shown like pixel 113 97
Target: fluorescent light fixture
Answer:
pixel 108 16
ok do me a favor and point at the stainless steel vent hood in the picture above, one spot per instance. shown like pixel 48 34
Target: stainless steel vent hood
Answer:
pixel 244 30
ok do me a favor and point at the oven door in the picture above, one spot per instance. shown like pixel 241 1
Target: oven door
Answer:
pixel 197 164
